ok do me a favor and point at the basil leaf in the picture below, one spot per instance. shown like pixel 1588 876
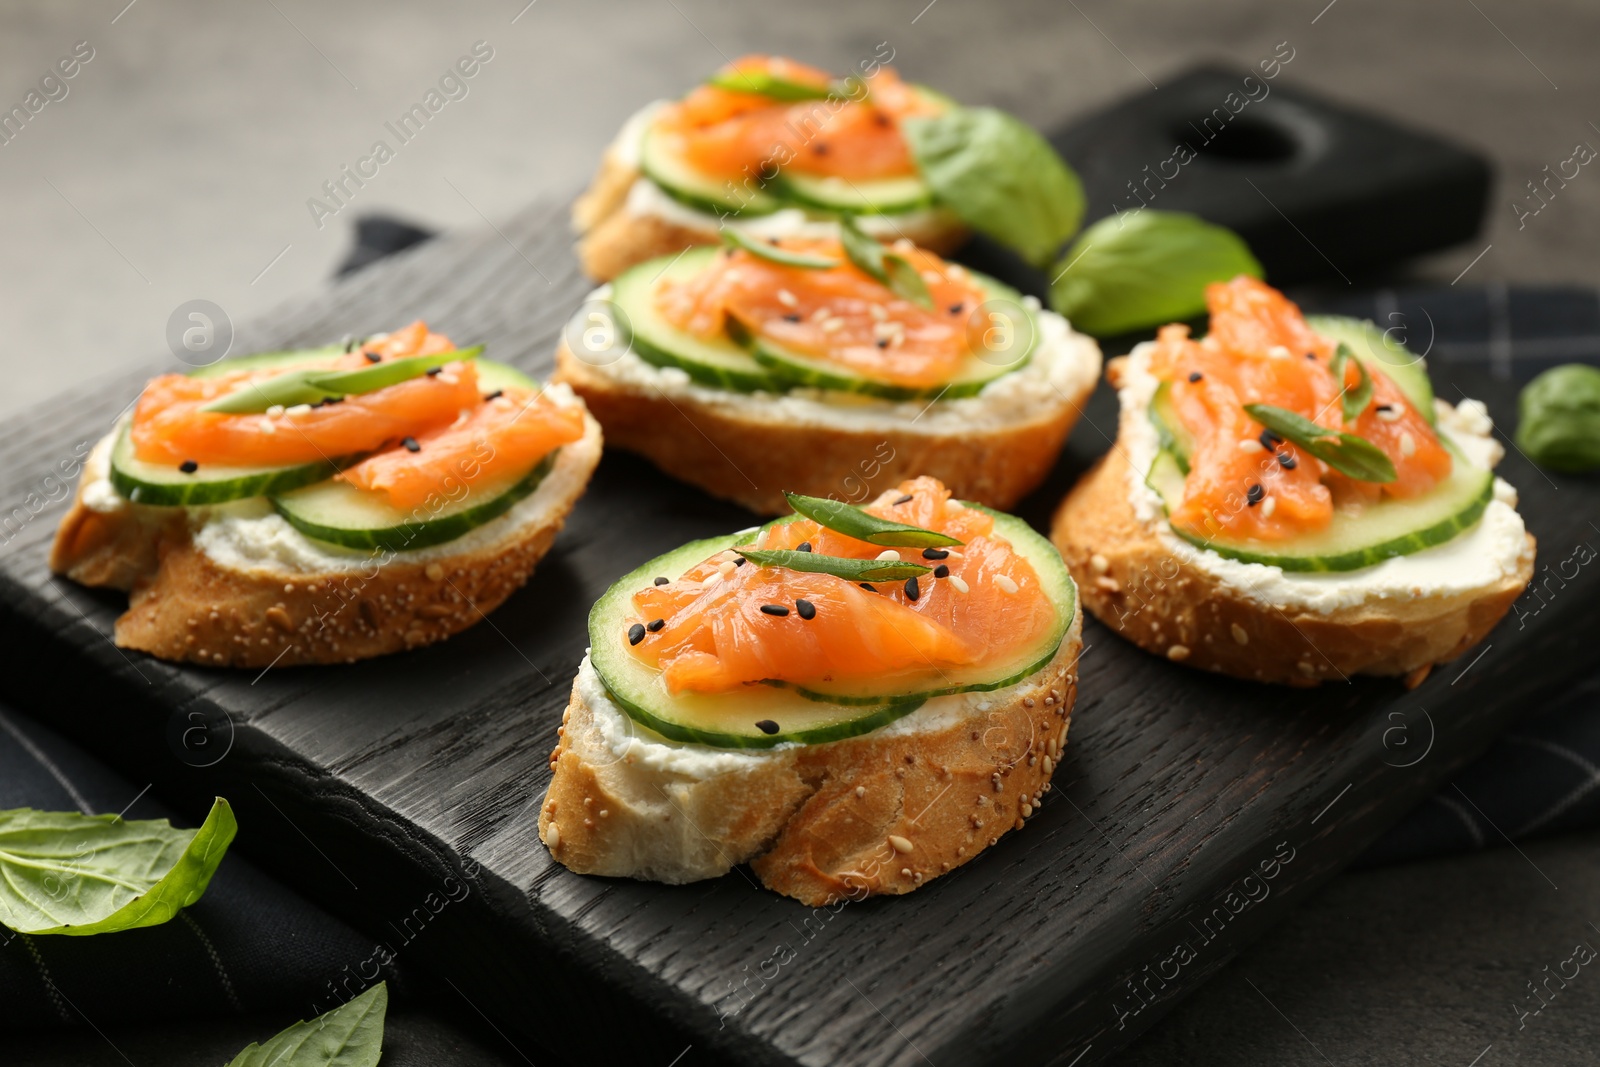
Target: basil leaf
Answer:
pixel 765 83
pixel 1145 268
pixel 857 570
pixel 66 873
pixel 891 269
pixel 1352 403
pixel 1344 452
pixel 1559 426
pixel 350 1035
pixel 853 522
pixel 1000 177
pixel 311 386
pixel 773 254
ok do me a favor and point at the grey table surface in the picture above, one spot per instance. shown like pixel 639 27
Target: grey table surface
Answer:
pixel 179 164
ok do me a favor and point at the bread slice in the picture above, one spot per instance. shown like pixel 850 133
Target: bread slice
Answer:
pixel 882 813
pixel 1173 599
pixel 750 448
pixel 187 605
pixel 620 226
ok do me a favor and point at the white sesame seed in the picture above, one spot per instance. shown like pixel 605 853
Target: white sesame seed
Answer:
pixel 1099 563
pixel 274 411
pixel 954 505
pixel 956 581
pixel 861 790
pixel 1005 583
pixel 819 314
pixel 832 325
pixel 1408 445
pixel 1389 412
pixel 552 837
pixel 932 277
pixel 1048 766
pixel 787 299
pixel 1239 634
pixel 905 872
pixel 1268 506
pixel 1250 444
pixel 1278 352
pixel 899 844
pixel 267 427
pixel 1109 584
pixel 878 311
pixel 1178 653
pixel 299 409
pixel 889 553
pixel 447 378
pixel 726 568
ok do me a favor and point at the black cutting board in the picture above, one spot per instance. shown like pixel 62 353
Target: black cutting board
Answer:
pixel 370 787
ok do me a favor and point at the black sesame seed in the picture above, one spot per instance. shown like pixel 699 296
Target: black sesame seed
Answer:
pixel 791 318
pixel 411 444
pixel 773 241
pixel 1269 440
pixel 767 726
pixel 820 149
pixel 867 587
pixel 1195 376
pixel 774 609
pixel 883 342
pixel 635 633
pixel 188 466
pixel 1385 407
pixel 956 309
pixel 806 608
pixel 912 589
pixel 805 546
pixel 1254 494
pixel 740 562
pixel 879 118
pixel 655 625
pixel 373 357
pixel 941 571
pixel 497 394
pixel 1287 461
pixel 936 553
pixel 903 500
pixel 433 372
pixel 663 581
pixel 1311 355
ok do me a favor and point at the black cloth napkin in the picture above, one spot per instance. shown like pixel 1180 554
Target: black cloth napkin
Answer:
pixel 250 945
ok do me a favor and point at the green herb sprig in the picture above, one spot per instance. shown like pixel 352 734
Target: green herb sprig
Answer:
pixel 1344 452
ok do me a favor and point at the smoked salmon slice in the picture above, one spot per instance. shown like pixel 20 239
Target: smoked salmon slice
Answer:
pixel 840 315
pixel 855 134
pixel 713 635
pixel 1247 483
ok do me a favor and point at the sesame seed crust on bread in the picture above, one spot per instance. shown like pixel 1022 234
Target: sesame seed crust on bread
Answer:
pixel 1163 602
pixel 878 814
pixel 186 607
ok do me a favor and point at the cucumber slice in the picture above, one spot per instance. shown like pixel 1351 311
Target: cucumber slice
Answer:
pixel 1174 436
pixel 720 364
pixel 925 685
pixel 1384 530
pixel 883 196
pixel 722 720
pixel 803 714
pixel 168 486
pixel 1380 353
pixel 715 196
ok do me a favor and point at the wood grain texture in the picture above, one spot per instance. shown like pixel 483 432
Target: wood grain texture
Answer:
pixel 369 786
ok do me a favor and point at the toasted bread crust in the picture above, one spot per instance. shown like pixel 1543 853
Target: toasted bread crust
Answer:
pixel 613 239
pixel 878 814
pixel 1162 602
pixel 752 457
pixel 184 606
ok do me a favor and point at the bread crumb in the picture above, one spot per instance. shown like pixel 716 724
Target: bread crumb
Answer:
pixel 1099 563
pixel 434 572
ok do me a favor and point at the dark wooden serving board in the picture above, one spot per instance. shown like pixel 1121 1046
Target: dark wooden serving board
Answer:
pixel 1190 810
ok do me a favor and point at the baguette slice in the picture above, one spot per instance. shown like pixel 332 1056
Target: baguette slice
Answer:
pixel 882 813
pixel 619 227
pixel 186 606
pixel 1158 592
pixel 748 449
